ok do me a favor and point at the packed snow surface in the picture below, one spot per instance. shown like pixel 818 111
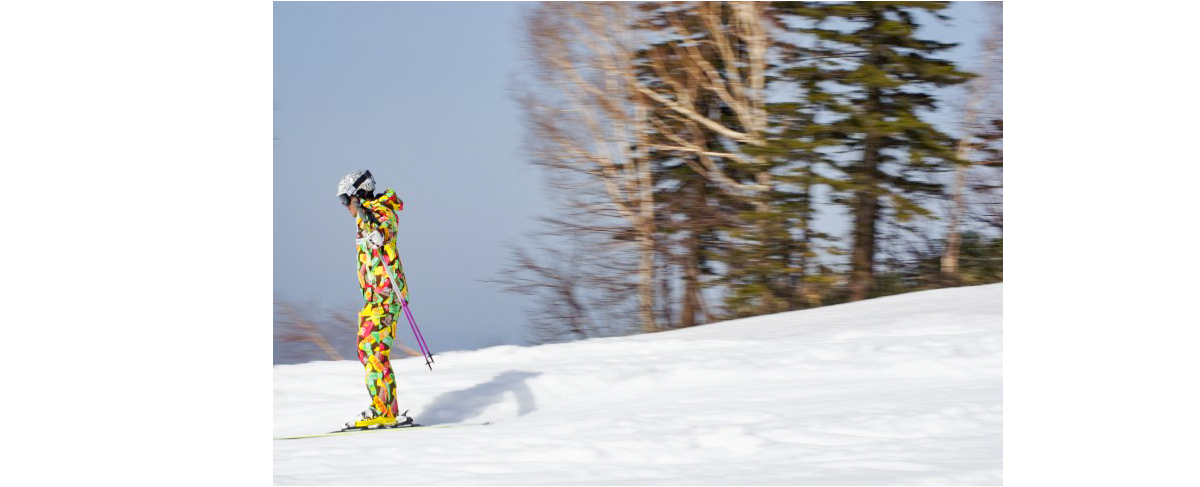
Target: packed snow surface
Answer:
pixel 899 390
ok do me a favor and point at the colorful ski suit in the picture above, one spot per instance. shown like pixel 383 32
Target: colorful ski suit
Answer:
pixel 381 311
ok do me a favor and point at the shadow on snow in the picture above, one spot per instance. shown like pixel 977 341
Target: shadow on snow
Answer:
pixel 458 406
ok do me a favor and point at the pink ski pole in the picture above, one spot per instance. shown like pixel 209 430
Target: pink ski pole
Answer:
pixel 417 333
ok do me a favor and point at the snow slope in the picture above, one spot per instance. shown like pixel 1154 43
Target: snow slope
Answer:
pixel 898 390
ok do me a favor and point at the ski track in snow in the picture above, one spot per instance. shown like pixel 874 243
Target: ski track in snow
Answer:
pixel 899 390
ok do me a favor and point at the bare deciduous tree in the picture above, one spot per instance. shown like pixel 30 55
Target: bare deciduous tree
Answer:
pixel 987 186
pixel 580 283
pixel 978 89
pixel 596 114
pixel 325 332
pixel 723 56
pixel 297 328
pixel 588 119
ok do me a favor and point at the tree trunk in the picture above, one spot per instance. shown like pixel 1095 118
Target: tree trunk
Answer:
pixel 978 88
pixel 691 285
pixel 866 213
pixel 949 264
pixel 808 243
pixel 646 284
pixel 954 237
pixel 866 207
pixel 862 260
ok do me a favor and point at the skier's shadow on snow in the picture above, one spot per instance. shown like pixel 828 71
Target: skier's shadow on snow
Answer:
pixel 458 406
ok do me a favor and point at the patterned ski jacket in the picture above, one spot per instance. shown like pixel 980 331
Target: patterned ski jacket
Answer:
pixel 373 277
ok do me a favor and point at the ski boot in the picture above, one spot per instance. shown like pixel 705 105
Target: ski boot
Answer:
pixel 369 419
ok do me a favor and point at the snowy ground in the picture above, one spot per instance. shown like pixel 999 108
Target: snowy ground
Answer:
pixel 899 390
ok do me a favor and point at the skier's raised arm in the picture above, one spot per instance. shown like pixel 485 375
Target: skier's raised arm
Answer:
pixel 381 217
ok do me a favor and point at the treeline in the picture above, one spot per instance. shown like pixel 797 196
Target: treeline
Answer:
pixel 303 333
pixel 715 160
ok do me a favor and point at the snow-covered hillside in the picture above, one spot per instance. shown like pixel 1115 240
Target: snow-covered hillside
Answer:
pixel 899 390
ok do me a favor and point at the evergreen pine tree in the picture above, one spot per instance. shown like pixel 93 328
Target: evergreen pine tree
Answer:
pixel 774 258
pixel 875 75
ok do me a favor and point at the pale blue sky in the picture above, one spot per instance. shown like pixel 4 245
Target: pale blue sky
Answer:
pixel 418 92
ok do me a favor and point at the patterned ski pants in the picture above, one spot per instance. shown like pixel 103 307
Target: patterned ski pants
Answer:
pixel 375 335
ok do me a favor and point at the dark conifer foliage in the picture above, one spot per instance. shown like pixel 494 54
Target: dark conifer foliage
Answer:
pixel 870 72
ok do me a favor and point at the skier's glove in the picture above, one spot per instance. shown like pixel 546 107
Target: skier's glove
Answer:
pixel 366 215
pixel 374 240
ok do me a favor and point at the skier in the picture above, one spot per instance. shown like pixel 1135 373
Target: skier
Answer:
pixel 375 216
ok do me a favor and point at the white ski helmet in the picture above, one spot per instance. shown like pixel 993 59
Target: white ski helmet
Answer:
pixel 353 183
